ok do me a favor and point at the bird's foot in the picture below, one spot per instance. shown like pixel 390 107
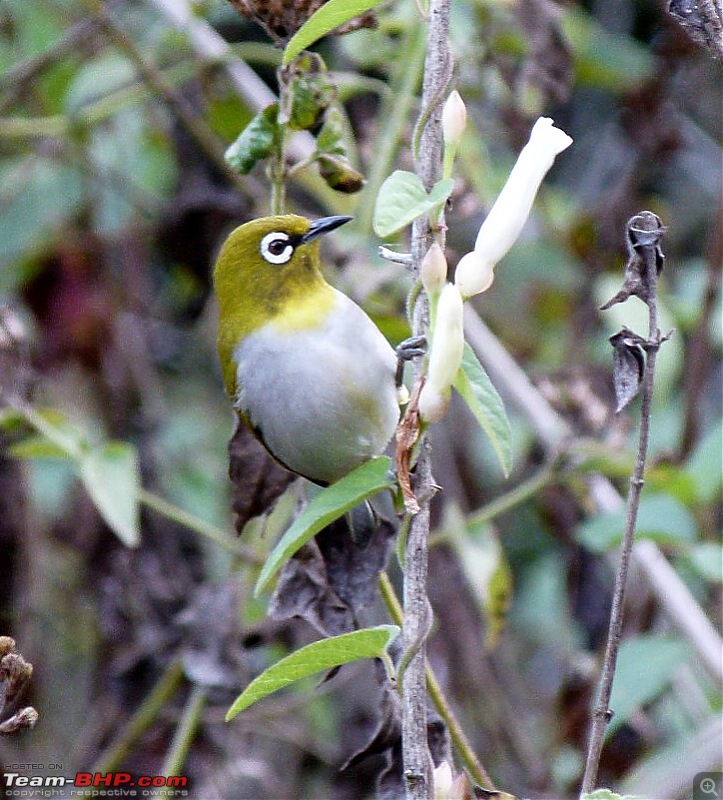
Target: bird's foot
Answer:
pixel 407 350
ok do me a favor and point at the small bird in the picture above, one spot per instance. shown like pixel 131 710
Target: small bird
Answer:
pixel 306 368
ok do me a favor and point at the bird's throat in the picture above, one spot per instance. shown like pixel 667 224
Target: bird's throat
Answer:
pixel 305 311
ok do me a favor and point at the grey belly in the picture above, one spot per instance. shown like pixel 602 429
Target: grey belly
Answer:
pixel 321 407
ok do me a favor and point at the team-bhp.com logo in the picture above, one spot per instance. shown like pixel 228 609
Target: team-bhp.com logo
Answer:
pixel 94 784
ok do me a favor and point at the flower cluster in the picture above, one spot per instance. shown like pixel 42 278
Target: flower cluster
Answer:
pixel 475 270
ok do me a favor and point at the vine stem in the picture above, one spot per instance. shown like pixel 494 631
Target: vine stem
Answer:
pixel 417 763
pixel 436 693
pixel 601 713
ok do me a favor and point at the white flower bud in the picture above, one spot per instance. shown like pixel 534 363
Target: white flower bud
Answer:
pixel 473 275
pixel 511 209
pixel 447 785
pixel 454 120
pixel 442 781
pixel 445 353
pixel 434 270
pixel 432 403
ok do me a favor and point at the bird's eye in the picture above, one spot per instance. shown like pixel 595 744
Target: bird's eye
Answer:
pixel 276 248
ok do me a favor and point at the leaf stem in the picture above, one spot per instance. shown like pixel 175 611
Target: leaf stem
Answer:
pixel 509 500
pixel 194 523
pixel 185 732
pixel 601 711
pixel 143 718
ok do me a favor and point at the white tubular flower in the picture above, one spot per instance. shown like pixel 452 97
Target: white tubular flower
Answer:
pixel 445 355
pixel 473 275
pixel 511 209
pixel 433 271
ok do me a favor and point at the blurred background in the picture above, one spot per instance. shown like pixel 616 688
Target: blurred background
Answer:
pixel 122 579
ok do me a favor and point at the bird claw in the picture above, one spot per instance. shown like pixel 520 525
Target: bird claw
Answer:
pixel 411 348
pixel 406 351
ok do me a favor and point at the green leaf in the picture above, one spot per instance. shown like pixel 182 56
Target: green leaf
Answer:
pixel 704 464
pixel 645 666
pixel 110 476
pixel 311 93
pixel 610 61
pixel 402 198
pixel 365 481
pixel 707 559
pixel 327 18
pixel 330 140
pixel 322 655
pixel 661 518
pixel 257 140
pixel 36 197
pixel 606 794
pixel 476 389
pixel 37 447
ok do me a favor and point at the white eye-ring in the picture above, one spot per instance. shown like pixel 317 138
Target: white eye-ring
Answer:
pixel 275 248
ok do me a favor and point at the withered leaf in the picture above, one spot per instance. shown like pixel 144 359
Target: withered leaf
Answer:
pixel 387 740
pixel 303 591
pixel 407 435
pixel 258 481
pixel 331 579
pixel 628 367
pixel 644 230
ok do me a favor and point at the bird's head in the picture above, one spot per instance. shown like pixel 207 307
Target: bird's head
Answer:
pixel 266 270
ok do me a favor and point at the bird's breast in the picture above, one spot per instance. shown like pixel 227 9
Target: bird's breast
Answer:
pixel 322 395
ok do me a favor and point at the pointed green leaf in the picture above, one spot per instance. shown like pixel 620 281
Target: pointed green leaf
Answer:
pixel 661 518
pixel 110 476
pixel 327 18
pixel 646 665
pixel 328 505
pixel 37 447
pixel 322 655
pixel 476 389
pixel 402 198
pixel 257 140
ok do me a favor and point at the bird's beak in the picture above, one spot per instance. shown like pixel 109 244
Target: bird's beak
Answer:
pixel 323 225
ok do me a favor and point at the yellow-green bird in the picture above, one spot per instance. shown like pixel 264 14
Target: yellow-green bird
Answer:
pixel 305 367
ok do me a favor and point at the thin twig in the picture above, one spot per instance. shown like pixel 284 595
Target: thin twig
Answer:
pixel 646 248
pixel 197 128
pixel 212 48
pixel 15 80
pixel 671 593
pixel 436 693
pixel 193 523
pixel 415 750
